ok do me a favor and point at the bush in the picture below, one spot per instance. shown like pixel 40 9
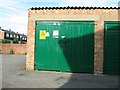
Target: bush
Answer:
pixel 15 40
pixel 4 41
pixel 0 41
pixel 11 51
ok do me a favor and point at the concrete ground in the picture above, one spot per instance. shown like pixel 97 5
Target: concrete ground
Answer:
pixel 14 75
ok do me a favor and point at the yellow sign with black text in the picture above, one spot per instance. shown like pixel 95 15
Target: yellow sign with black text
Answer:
pixel 42 34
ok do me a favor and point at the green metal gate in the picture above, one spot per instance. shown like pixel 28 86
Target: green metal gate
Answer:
pixel 112 48
pixel 64 46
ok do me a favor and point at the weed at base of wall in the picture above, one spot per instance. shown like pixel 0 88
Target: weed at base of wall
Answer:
pixel 11 51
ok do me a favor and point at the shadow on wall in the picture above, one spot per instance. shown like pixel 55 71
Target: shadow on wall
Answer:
pixel 79 54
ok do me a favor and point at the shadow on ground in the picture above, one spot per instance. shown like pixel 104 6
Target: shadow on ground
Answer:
pixel 79 58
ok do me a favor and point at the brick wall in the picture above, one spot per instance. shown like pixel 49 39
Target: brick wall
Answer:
pixel 17 48
pixel 98 46
pixel 96 15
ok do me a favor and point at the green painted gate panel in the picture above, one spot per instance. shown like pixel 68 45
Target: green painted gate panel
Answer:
pixel 70 50
pixel 112 48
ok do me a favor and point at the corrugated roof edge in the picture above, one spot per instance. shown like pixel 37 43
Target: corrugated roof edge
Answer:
pixel 68 7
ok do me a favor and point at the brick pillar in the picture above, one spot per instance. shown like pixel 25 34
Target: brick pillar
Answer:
pixel 98 47
pixel 30 44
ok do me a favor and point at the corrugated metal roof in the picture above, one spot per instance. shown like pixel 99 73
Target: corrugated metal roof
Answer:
pixel 68 7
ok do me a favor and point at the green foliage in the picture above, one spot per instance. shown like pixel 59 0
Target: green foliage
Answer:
pixel 0 41
pixel 15 40
pixel 11 51
pixel 4 41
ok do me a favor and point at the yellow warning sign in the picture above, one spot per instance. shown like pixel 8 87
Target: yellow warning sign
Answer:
pixel 42 34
